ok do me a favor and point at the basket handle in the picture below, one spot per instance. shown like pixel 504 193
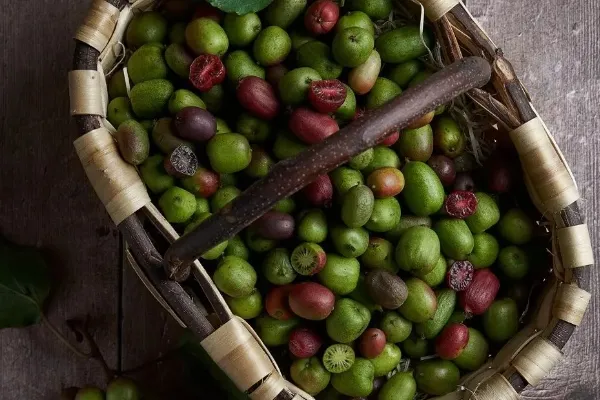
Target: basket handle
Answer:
pixel 289 176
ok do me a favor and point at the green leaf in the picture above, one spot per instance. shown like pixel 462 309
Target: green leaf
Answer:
pixel 240 6
pixel 24 285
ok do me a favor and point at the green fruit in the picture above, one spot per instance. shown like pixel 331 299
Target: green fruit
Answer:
pixel 239 65
pixel 272 46
pixel 242 29
pixel 419 78
pixel 147 63
pixel 274 332
pixel 283 12
pixel 396 328
pixel 379 254
pixel 349 242
pixel 357 206
pixel 177 205
pixel 293 87
pixel 164 138
pixel 223 196
pixel 347 110
pixel 355 19
pixel 513 262
pixel 382 157
pixel 407 221
pixel 312 226
pixel 179 60
pixel 385 216
pixel 403 73
pixel 154 175
pixel 317 55
pixel 421 303
pixel 344 178
pixel 423 192
pixel 415 347
pixel 401 386
pixel 446 302
pixel 310 375
pixel 214 252
pixel 229 153
pixel 287 145
pixel 352 46
pixel 117 86
pixel 308 258
pixel 501 320
pixel 338 358
pixel 456 240
pixel 382 92
pixel 133 141
pixel 376 9
pixel 437 275
pixel 418 249
pixel 387 360
pixel 403 44
pixel 475 354
pixel 363 77
pixel 246 307
pixel 89 393
pixel 299 38
pixel 183 98
pixel 205 36
pixel 202 206
pixel 362 160
pixel 437 377
pixel 260 163
pixel 348 320
pixel 416 144
pixel 458 317
pixel 235 277
pixel 149 99
pixel 256 130
pixel 448 137
pixel 485 250
pixel 486 214
pixel 340 274
pixel 214 99
pixel 236 246
pixel 119 111
pixel 516 227
pixel 177 33
pixel 222 126
pixel 287 205
pixel 357 381
pixel 257 243
pixel 277 267
pixel 146 27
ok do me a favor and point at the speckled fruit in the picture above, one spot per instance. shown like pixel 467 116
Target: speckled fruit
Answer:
pixel 312 301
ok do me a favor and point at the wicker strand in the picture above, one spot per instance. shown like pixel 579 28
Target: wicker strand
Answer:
pixel 571 303
pixel 536 360
pixel 575 246
pixel 86 93
pixel 98 25
pixel 495 388
pixel 436 9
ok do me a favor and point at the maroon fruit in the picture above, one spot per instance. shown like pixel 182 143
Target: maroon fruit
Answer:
pixel 460 275
pixel 358 114
pixel 204 183
pixel 304 343
pixel 276 303
pixel 257 96
pixel 319 193
pixel 181 162
pixel 390 139
pixel 372 343
pixel 312 301
pixel 274 73
pixel 452 341
pixel 275 225
pixel 480 295
pixel 206 71
pixel 326 96
pixel 464 182
pixel 500 175
pixel 310 126
pixel 205 10
pixel 321 16
pixel 386 182
pixel 195 124
pixel 444 168
pixel 460 204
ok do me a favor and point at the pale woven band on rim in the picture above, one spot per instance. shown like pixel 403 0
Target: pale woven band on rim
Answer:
pixel 549 177
pixel 575 246
pixel 495 388
pixel 536 360
pixel 116 183
pixel 436 9
pixel 571 303
pixel 85 93
pixel 98 25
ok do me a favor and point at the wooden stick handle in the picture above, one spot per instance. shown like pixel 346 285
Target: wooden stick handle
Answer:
pixel 289 176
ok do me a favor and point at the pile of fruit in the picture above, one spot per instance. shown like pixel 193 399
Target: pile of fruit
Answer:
pixel 117 389
pixel 397 255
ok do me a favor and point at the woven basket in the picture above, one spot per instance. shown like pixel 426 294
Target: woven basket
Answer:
pixel 229 340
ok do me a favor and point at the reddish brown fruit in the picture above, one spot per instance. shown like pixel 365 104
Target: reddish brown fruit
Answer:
pixel 257 96
pixel 390 140
pixel 480 295
pixel 204 183
pixel 275 225
pixel 310 126
pixel 195 124
pixel 319 193
pixel 461 204
pixel 326 96
pixel 444 168
pixel 321 17
pixel 274 73
pixel 304 343
pixel 206 71
pixel 464 182
pixel 372 343
pixel 452 341
pixel 386 182
pixel 358 114
pixel 460 275
pixel 312 301
pixel 424 120
pixel 500 174
pixel 276 303
pixel 205 10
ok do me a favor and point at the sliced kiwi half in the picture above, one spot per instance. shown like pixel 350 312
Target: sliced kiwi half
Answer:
pixel 338 358
pixel 308 258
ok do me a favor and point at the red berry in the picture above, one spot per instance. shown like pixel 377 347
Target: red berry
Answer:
pixel 276 303
pixel 480 295
pixel 390 140
pixel 319 193
pixel 205 10
pixel 326 96
pixel 452 341
pixel 274 73
pixel 358 114
pixel 206 71
pixel 461 204
pixel 204 183
pixel 257 96
pixel 460 275
pixel 304 343
pixel 321 16
pixel 372 343
pixel 310 126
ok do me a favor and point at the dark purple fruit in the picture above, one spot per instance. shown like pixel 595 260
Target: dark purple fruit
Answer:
pixel 274 73
pixel 500 174
pixel 460 204
pixel 460 275
pixel 444 168
pixel 195 124
pixel 181 163
pixel 464 182
pixel 275 225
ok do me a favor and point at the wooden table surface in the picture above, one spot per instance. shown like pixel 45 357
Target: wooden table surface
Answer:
pixel 45 199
